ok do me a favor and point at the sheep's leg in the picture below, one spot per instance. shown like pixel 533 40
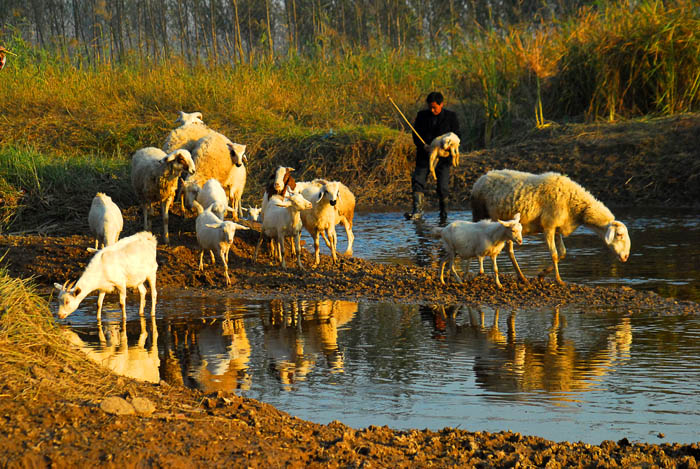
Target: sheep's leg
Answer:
pixel 154 294
pixel 432 163
pixel 495 271
pixel 350 235
pixel 97 242
pixel 100 300
pixel 552 245
pixel 122 302
pixel 297 241
pixel 101 332
pixel 451 256
pixel 213 257
pixel 511 254
pixel 145 209
pixel 334 243
pixel 280 248
pixel 257 248
pixel 481 264
pixel 201 259
pixel 165 207
pixel 317 248
pixel 561 249
pixel 142 298
pixel 443 261
pixel 223 256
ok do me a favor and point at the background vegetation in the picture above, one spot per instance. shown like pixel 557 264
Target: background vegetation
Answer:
pixel 305 82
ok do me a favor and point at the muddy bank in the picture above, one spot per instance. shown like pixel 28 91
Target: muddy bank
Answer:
pixel 59 258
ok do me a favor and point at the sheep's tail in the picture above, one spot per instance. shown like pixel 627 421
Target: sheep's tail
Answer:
pixel 479 210
pixel 436 232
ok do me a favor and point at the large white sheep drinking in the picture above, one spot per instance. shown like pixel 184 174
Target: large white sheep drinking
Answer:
pixel 548 203
pixel 128 263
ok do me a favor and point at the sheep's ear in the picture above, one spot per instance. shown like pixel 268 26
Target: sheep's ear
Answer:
pixel 244 209
pixel 610 234
pixel 198 115
pixel 244 158
pixel 290 169
pixel 516 217
pixel 58 286
pixel 212 225
pixel 230 209
pixel 92 250
pixel 240 227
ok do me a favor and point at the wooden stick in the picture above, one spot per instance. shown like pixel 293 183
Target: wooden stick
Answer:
pixel 404 118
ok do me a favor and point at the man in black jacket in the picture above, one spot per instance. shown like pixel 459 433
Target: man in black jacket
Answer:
pixel 431 123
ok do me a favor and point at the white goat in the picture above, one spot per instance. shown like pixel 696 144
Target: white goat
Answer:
pixel 548 203
pixel 253 212
pixel 215 235
pixel 105 220
pixel 128 263
pixel 154 177
pixel 323 216
pixel 443 146
pixel 237 177
pixel 480 239
pixel 210 193
pixel 282 220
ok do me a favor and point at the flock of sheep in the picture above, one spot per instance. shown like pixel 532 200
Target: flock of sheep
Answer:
pixel 506 204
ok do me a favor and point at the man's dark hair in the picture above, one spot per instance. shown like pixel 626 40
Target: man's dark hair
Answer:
pixel 434 97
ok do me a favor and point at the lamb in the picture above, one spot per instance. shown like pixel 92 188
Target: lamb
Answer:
pixel 323 216
pixel 105 220
pixel 548 203
pixel 280 180
pixel 480 239
pixel 130 262
pixel 154 177
pixel 443 146
pixel 210 193
pixel 253 212
pixel 282 220
pixel 214 234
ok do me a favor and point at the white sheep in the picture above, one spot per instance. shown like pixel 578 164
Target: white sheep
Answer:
pixel 219 158
pixel 155 176
pixel 253 212
pixel 481 239
pixel 209 193
pixel 323 216
pixel 215 235
pixel 282 220
pixel 443 146
pixel 548 203
pixel 128 263
pixel 105 220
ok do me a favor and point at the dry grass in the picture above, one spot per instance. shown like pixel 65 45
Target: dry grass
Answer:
pixel 34 355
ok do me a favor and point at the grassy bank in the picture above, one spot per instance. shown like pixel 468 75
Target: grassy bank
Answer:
pixel 329 115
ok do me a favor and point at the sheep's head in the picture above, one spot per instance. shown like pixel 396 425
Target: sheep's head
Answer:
pixel 330 190
pixel 237 153
pixel 68 298
pixel 182 158
pixel 282 178
pixel 190 190
pixel 450 143
pixel 618 240
pixel 295 200
pixel 219 209
pixel 185 118
pixel 514 229
pixel 253 212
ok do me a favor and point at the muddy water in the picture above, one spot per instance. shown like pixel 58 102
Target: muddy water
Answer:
pixel 568 374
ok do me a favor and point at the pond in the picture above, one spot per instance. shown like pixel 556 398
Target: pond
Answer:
pixel 572 373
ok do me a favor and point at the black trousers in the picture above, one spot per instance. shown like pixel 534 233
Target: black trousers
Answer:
pixel 442 171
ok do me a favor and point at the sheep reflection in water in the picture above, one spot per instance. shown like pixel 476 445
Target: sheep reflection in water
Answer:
pixel 137 361
pixel 297 332
pixel 505 363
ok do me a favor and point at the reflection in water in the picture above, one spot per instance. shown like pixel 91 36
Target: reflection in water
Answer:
pixel 507 365
pixel 136 361
pixel 297 331
pixel 566 373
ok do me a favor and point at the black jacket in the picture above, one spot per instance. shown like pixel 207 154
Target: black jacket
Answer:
pixel 430 126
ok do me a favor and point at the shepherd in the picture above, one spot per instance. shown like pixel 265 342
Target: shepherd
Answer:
pixel 430 123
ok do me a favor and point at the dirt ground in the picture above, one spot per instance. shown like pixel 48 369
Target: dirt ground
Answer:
pixel 189 429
